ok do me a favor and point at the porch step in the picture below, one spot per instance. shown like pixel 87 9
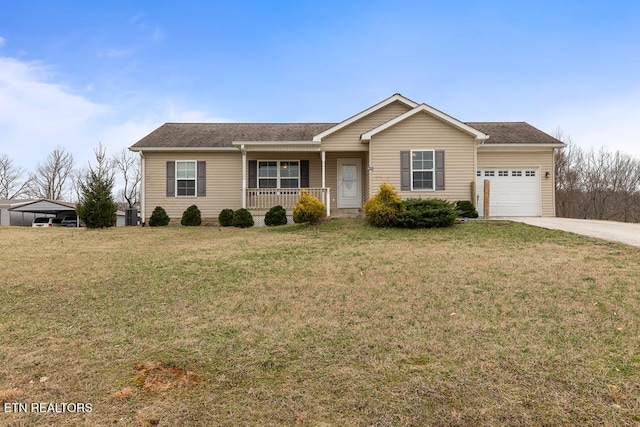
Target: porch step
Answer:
pixel 347 213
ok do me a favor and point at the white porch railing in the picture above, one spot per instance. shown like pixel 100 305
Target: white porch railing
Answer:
pixel 266 198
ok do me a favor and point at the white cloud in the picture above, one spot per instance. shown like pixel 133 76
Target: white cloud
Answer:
pixel 3 41
pixel 38 115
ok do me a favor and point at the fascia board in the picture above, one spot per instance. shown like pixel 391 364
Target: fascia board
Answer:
pixel 191 149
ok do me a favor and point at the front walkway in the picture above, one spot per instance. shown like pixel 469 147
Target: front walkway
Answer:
pixel 622 232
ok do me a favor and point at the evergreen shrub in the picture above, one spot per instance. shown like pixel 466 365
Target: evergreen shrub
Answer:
pixel 191 217
pixel 159 217
pixel 382 209
pixel 226 217
pixel 242 218
pixel 308 209
pixel 466 208
pixel 427 213
pixel 277 215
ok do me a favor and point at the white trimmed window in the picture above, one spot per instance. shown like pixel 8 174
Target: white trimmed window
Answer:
pixel 186 178
pixel 422 169
pixel 278 174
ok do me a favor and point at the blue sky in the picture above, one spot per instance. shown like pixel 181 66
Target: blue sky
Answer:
pixel 77 73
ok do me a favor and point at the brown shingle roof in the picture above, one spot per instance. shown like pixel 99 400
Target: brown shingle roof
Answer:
pixel 223 134
pixel 215 135
pixel 513 133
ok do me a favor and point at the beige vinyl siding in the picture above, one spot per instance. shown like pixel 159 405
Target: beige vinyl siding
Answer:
pixel 422 131
pixel 332 172
pixel 315 163
pixel 224 184
pixel 522 158
pixel 348 138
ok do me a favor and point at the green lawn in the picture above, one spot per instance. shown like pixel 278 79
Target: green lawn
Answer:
pixel 485 323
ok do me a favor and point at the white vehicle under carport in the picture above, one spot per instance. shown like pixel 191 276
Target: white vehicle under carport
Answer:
pixel 46 222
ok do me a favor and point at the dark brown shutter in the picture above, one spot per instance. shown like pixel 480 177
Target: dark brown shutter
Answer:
pixel 253 174
pixel 171 178
pixel 202 178
pixel 439 169
pixel 304 173
pixel 405 170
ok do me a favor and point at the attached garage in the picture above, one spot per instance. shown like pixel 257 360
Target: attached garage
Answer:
pixel 514 191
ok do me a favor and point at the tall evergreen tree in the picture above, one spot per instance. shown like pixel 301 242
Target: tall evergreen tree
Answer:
pixel 97 208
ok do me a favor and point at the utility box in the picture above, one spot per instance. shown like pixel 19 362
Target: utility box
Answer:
pixel 131 217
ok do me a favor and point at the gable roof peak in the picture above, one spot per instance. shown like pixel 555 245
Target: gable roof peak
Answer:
pixel 396 97
pixel 464 127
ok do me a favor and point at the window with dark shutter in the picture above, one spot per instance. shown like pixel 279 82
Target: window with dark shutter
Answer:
pixel 304 173
pixel 439 169
pixel 202 179
pixel 171 178
pixel 405 170
pixel 253 174
pixel 422 170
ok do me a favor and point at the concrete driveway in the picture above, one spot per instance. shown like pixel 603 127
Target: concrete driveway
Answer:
pixel 622 232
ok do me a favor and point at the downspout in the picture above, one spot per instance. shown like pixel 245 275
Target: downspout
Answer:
pixel 244 176
pixel 143 203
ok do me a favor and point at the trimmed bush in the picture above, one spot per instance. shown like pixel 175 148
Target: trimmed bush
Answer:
pixel 191 217
pixel 226 217
pixel 382 209
pixel 466 208
pixel 159 217
pixel 242 218
pixel 277 215
pixel 427 213
pixel 308 209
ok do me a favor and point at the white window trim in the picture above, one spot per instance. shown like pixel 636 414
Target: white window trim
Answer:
pixel 278 177
pixel 432 170
pixel 195 179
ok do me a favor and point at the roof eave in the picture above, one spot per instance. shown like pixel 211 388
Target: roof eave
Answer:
pixel 499 145
pixel 133 148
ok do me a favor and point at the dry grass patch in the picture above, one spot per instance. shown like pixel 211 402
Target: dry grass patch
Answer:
pixel 157 377
pixel 10 395
pixel 485 323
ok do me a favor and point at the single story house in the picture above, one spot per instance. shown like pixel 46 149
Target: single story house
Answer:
pixel 422 151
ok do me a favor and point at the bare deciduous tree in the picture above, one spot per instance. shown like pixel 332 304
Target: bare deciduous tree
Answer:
pixel 128 165
pixel 597 185
pixel 12 179
pixel 50 178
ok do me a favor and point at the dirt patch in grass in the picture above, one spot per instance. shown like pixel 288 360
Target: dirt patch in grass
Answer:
pixel 156 377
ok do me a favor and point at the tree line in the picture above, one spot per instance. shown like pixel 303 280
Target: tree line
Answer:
pixel 58 178
pixel 596 184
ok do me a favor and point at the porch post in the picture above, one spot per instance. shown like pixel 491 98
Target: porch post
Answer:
pixel 244 177
pixel 325 192
pixel 323 157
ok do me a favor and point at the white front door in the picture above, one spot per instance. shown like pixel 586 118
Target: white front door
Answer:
pixel 349 185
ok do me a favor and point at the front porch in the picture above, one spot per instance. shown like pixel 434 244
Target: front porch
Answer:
pixel 275 173
pixel 263 199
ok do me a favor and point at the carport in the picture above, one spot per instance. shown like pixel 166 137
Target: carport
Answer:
pixel 45 207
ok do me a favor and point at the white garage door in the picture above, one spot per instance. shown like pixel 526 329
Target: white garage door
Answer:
pixel 514 191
